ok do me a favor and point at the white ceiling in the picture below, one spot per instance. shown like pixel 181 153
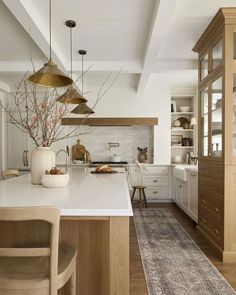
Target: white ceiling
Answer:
pixel 142 36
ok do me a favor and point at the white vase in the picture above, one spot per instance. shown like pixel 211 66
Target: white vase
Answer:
pixel 42 159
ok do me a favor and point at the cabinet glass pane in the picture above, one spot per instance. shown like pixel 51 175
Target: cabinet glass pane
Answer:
pixel 234 45
pixel 234 116
pixel 216 124
pixel 204 122
pixel 204 66
pixel 217 54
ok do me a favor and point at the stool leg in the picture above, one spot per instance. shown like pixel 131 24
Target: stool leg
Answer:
pixel 144 196
pixel 133 194
pixel 140 197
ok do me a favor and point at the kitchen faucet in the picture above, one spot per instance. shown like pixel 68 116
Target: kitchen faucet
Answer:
pixel 67 153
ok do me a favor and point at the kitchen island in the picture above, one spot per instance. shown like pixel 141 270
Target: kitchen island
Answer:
pixel 95 212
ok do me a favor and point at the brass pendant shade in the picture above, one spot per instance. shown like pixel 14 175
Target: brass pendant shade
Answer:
pixel 71 96
pixel 82 109
pixel 49 75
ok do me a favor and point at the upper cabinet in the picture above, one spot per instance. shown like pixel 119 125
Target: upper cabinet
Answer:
pixel 217 88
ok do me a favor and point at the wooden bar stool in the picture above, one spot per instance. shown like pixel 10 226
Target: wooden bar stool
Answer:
pixel 42 269
pixel 141 190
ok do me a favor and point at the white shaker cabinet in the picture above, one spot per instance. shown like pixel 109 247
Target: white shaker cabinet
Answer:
pixel 185 193
pixel 19 147
pixel 181 194
pixel 193 194
pixel 155 178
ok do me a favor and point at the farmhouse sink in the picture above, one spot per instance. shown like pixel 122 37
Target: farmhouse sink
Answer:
pixel 180 172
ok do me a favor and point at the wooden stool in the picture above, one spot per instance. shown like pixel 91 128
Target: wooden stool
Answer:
pixel 141 190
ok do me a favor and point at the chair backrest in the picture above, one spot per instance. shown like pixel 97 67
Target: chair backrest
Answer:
pixel 10 173
pixel 50 215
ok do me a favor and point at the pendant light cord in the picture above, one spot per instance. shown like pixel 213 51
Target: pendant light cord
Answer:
pixel 82 74
pixel 50 28
pixel 71 52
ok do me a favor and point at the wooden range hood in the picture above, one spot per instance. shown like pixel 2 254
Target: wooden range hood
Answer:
pixel 110 121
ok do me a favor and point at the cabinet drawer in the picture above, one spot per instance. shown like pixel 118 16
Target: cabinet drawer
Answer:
pixel 155 180
pixel 212 170
pixel 211 226
pixel 211 185
pixel 215 206
pixel 157 193
pixel 160 170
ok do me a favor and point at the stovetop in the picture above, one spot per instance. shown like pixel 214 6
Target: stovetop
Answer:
pixel 109 162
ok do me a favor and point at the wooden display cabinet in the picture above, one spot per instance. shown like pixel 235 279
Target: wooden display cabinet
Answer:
pixel 217 133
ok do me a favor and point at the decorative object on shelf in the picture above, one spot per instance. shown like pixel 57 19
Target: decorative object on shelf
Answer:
pixel 177 123
pixel 187 141
pixel 185 109
pixel 49 75
pixel 173 106
pixel 142 156
pixel 42 159
pixel 176 140
pixel 71 95
pixel 82 108
pixel 184 122
pixel 193 122
pixel 79 153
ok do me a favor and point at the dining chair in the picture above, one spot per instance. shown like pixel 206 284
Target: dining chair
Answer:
pixel 37 270
pixel 10 173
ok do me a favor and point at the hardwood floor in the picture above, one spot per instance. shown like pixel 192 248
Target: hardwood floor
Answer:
pixel 137 277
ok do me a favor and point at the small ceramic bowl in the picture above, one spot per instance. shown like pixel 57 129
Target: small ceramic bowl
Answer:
pixel 60 180
pixel 185 109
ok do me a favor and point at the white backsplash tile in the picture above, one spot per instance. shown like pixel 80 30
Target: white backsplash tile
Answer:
pixel 128 137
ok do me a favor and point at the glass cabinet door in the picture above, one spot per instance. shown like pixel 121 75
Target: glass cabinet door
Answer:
pixel 216 118
pixel 217 54
pixel 234 116
pixel 204 134
pixel 204 67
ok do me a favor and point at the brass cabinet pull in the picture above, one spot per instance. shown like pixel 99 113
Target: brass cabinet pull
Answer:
pixel 216 231
pixel 155 180
pixel 216 209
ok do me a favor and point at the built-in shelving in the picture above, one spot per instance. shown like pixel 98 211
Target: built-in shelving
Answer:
pixel 181 151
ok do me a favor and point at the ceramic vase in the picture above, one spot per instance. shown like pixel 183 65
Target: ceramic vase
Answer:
pixel 42 159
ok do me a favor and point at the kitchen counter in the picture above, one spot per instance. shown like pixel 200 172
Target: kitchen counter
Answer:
pixel 95 210
pixel 86 194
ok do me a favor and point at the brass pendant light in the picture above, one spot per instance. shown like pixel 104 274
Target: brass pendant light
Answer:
pixel 49 75
pixel 82 108
pixel 71 95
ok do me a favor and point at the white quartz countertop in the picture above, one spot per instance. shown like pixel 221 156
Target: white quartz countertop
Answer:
pixel 86 194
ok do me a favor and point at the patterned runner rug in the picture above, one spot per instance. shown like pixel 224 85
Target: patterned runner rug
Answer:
pixel 173 263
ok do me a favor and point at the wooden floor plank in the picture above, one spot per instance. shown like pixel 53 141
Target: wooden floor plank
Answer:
pixel 137 277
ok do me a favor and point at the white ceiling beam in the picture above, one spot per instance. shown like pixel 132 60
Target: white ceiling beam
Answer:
pixel 158 30
pixel 26 14
pixel 130 67
pixel 4 87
